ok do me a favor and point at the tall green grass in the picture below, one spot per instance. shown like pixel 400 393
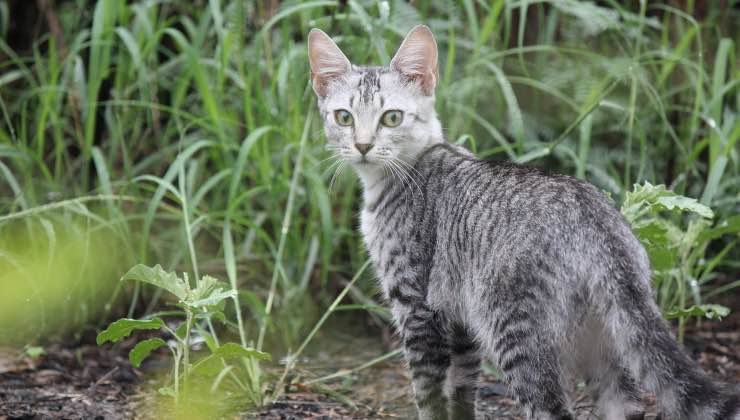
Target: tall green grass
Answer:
pixel 191 125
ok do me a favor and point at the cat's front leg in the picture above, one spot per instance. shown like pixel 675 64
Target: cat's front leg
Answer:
pixel 428 355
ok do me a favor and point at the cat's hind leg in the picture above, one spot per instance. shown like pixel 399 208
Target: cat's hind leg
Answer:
pixel 616 393
pixel 608 379
pixel 518 341
pixel 463 374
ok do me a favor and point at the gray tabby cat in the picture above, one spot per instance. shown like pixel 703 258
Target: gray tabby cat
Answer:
pixel 537 272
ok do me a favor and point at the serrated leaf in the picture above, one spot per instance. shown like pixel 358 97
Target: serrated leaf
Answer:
pixel 651 199
pixel 209 292
pixel 214 298
pixel 654 233
pixel 123 328
pixel 679 202
pixel 143 349
pixel 211 365
pixel 709 311
pixel 158 277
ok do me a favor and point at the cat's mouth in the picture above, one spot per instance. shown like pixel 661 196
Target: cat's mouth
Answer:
pixel 363 160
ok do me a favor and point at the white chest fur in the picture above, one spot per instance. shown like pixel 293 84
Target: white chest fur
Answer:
pixel 369 231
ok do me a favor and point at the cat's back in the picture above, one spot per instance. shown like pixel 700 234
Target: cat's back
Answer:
pixel 507 211
pixel 454 174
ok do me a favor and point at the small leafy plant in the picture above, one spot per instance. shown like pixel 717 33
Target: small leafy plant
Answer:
pixel 199 306
pixel 676 232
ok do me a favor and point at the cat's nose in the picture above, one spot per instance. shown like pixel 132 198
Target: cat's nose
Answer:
pixel 364 147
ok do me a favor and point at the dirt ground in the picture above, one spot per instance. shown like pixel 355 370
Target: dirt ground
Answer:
pixel 83 381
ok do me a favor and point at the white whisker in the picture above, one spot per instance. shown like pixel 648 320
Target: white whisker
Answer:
pixel 337 172
pixel 409 171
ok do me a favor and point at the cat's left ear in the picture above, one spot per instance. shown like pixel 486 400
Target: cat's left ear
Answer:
pixel 416 58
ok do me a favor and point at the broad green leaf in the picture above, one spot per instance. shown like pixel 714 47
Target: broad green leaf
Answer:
pixel 143 349
pixel 158 277
pixel 651 199
pixel 654 233
pixel 636 201
pixel 708 311
pixel 34 352
pixel 661 259
pixel 211 365
pixel 231 350
pixel 679 202
pixel 214 298
pixel 123 327
pixel 208 293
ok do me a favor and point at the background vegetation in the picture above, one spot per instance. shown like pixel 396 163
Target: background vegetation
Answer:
pixel 185 134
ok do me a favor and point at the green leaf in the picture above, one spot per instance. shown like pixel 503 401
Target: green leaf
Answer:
pixel 679 202
pixel 209 340
pixel 34 352
pixel 729 225
pixel 123 327
pixel 709 311
pixel 651 199
pixel 214 298
pixel 209 292
pixel 211 365
pixel 181 330
pixel 661 259
pixel 143 349
pixel 654 233
pixel 160 278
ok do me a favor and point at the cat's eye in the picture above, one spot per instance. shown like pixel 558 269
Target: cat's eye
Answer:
pixel 343 117
pixel 392 118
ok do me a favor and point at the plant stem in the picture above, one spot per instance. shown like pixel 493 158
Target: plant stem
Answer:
pixel 293 357
pixel 284 230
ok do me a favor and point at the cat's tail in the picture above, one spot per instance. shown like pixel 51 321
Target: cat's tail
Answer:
pixel 683 390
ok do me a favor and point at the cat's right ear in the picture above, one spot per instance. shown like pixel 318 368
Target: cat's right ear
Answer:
pixel 326 59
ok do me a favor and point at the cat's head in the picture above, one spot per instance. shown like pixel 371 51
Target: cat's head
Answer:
pixel 375 116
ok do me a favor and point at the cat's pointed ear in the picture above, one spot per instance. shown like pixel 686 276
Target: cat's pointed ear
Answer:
pixel 416 58
pixel 326 59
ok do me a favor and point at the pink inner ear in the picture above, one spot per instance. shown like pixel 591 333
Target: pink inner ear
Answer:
pixel 416 59
pixel 326 59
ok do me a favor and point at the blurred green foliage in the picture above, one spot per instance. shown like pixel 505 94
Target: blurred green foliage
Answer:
pixel 55 276
pixel 191 124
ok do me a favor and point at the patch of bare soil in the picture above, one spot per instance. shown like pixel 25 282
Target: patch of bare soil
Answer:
pixel 88 382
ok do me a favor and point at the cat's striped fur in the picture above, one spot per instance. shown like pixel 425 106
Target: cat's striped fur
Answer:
pixel 537 272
